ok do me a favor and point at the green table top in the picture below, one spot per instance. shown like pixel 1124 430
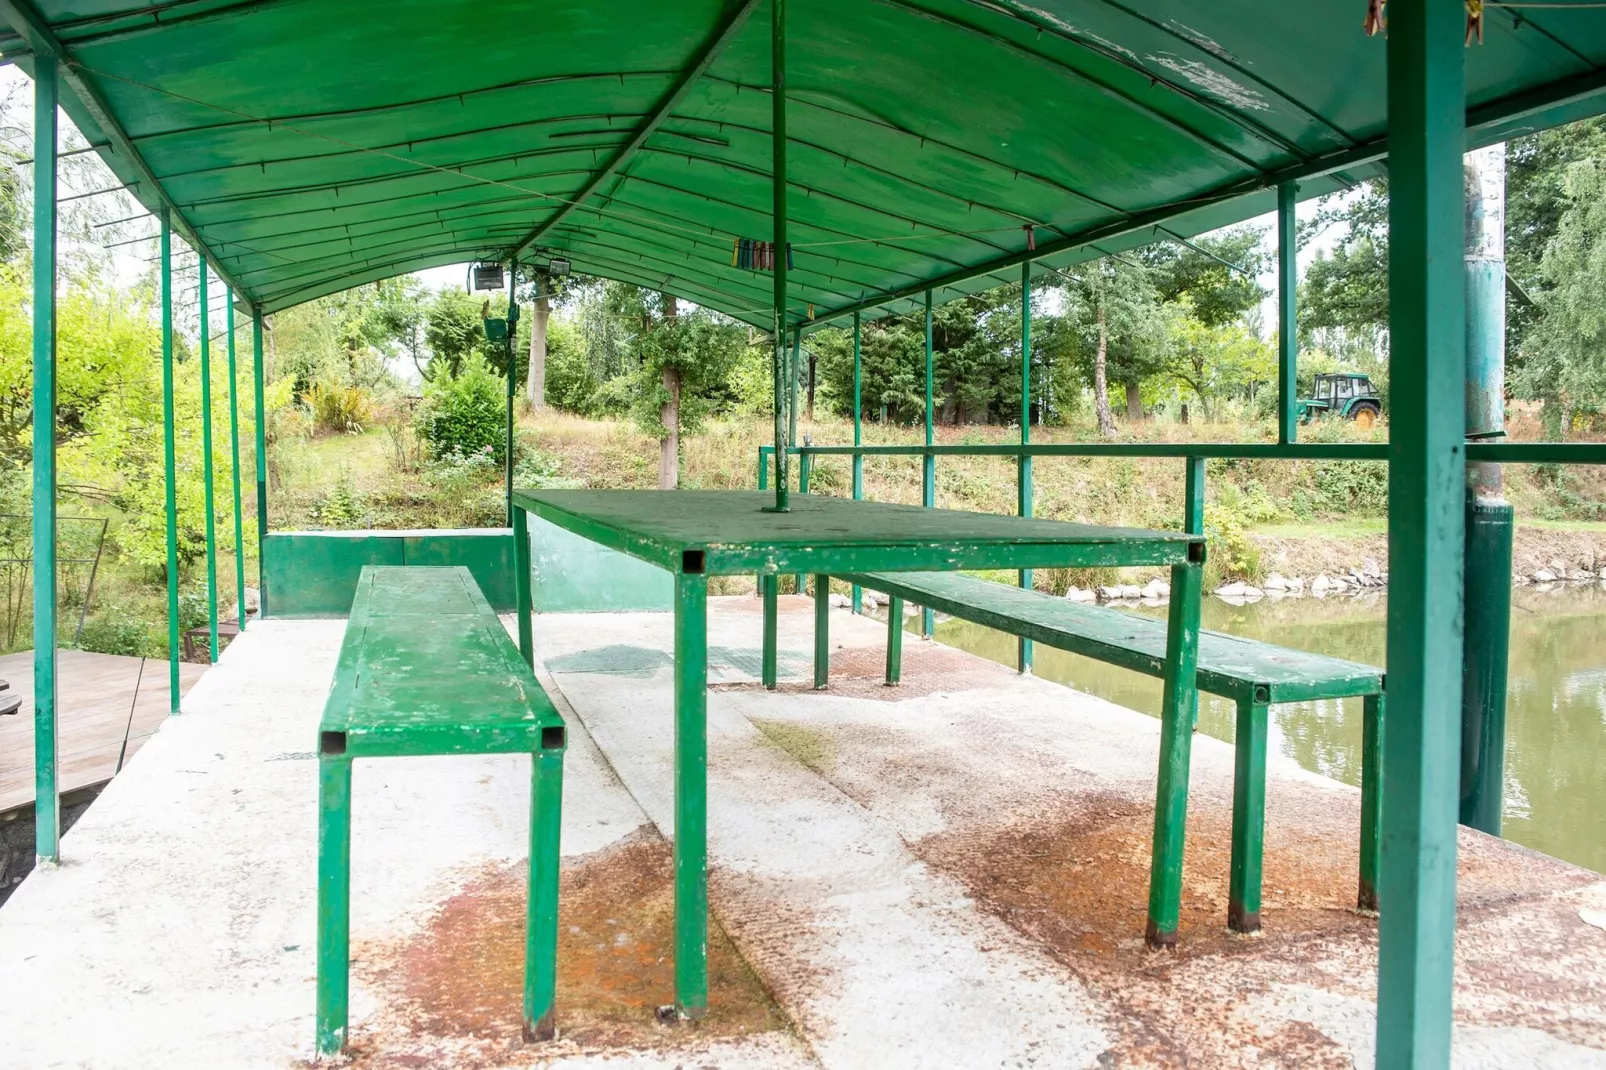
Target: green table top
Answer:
pixel 728 532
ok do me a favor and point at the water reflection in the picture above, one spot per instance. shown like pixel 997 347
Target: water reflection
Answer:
pixel 1555 796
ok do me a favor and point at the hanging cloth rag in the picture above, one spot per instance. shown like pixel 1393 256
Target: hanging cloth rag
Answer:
pixel 1474 21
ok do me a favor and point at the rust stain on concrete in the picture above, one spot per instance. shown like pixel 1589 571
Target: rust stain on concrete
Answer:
pixel 458 982
pixel 1076 883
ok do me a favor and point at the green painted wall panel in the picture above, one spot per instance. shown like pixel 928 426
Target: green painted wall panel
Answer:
pixel 569 574
pixel 488 555
pixel 314 573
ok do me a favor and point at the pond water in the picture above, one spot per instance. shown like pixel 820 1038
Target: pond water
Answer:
pixel 1555 791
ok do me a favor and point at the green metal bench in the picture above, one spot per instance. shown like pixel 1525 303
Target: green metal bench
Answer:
pixel 1254 675
pixel 427 668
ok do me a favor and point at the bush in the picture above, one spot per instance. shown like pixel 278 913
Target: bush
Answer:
pixel 465 414
pixel 116 631
pixel 340 409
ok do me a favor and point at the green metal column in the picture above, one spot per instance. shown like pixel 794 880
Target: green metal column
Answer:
pixel 1023 473
pixel 1193 497
pixel 858 440
pixel 512 362
pixel 928 493
pixel 1427 494
pixel 1490 518
pixel 791 386
pixel 234 460
pixel 206 463
pixel 778 190
pixel 261 459
pixel 822 631
pixel 47 801
pixel 524 603
pixel 169 460
pixel 691 793
pixel 1287 315
pixel 1179 709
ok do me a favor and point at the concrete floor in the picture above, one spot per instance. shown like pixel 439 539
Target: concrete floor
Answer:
pixel 946 874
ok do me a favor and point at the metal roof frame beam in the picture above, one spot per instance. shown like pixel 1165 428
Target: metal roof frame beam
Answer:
pixel 721 38
pixel 22 17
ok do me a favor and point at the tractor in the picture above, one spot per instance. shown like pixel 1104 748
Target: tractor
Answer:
pixel 1346 394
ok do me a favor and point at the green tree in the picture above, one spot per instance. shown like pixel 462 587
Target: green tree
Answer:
pixel 1564 354
pixel 455 327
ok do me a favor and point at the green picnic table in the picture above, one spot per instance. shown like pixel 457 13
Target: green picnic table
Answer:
pixel 699 534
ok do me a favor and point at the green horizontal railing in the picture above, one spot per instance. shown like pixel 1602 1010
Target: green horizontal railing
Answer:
pixel 1502 452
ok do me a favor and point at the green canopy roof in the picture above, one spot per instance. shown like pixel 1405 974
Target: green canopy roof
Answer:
pixel 311 145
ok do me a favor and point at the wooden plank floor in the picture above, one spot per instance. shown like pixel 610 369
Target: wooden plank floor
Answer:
pixel 100 698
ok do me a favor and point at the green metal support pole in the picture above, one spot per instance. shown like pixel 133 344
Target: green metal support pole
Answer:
pixel 858 440
pixel 206 463
pixel 1023 472
pixel 234 461
pixel 894 640
pixel 47 800
pixel 1287 314
pixel 1427 498
pixel 524 602
pixel 778 212
pixel 691 793
pixel 1371 800
pixel 928 493
pixel 791 432
pixel 333 983
pixel 822 631
pixel 541 908
pixel 261 460
pixel 1179 707
pixel 1490 518
pixel 1248 814
pixel 512 363
pixel 764 454
pixel 768 588
pixel 170 460
pixel 1193 500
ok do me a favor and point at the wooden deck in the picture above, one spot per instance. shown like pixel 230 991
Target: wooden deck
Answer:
pixel 101 699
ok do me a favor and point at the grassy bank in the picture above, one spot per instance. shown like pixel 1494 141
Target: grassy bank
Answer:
pixel 1294 516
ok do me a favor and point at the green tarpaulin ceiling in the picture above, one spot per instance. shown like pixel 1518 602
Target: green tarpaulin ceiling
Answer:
pixel 311 145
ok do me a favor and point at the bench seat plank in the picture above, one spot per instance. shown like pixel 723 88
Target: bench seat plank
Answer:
pixel 427 668
pixel 1238 668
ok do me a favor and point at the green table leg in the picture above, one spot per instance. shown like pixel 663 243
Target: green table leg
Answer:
pixel 769 586
pixel 822 631
pixel 691 793
pixel 894 640
pixel 1248 814
pixel 334 900
pixel 1371 799
pixel 521 584
pixel 541 923
pixel 1178 708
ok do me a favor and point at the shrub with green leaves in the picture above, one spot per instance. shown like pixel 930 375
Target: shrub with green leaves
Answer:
pixel 465 414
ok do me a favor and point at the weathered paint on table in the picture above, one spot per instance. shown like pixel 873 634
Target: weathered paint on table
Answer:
pixel 697 534
pixel 427 668
pixel 1255 675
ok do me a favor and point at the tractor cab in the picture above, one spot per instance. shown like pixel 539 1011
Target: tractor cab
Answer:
pixel 1346 394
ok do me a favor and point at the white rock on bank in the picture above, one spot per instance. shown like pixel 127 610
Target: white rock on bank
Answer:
pixel 1276 582
pixel 1235 589
pixel 840 601
pixel 1157 588
pixel 1320 586
pixel 1081 594
pixel 1544 575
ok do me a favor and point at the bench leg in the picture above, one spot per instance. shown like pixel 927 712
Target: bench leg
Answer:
pixel 541 917
pixel 822 631
pixel 1179 707
pixel 1248 815
pixel 334 901
pixel 928 623
pixel 894 640
pixel 768 587
pixel 691 794
pixel 1023 647
pixel 1371 799
pixel 521 584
